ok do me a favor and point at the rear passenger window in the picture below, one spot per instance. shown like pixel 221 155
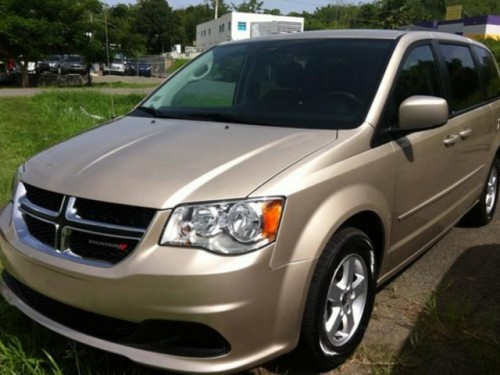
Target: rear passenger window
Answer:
pixel 464 78
pixel 489 73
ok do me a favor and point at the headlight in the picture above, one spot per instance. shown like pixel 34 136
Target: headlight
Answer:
pixel 15 182
pixel 225 227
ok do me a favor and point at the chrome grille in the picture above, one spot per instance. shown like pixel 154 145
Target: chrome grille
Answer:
pixel 81 229
pixel 101 248
pixel 43 198
pixel 43 231
pixel 115 214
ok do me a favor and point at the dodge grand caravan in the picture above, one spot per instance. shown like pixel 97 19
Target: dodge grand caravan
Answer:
pixel 257 198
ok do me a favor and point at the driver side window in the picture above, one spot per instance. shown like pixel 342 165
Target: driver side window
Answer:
pixel 418 76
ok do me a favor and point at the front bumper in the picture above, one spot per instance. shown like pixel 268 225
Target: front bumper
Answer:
pixel 255 308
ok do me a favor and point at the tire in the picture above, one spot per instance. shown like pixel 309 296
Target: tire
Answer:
pixel 340 299
pixel 482 213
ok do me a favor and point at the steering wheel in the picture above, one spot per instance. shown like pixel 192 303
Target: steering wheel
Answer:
pixel 348 98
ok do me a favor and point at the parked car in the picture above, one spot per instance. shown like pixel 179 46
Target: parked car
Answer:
pixel 257 198
pixel 51 64
pixel 5 75
pixel 140 68
pixel 117 67
pixel 73 64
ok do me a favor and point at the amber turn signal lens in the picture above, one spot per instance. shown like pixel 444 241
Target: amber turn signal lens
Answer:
pixel 271 214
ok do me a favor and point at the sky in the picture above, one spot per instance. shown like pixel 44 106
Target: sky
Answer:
pixel 285 6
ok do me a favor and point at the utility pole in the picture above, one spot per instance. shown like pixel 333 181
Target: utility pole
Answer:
pixel 106 35
pixel 216 9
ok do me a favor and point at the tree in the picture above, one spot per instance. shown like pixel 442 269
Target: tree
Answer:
pixel 493 45
pixel 30 29
pixel 189 18
pixel 156 21
pixel 121 33
pixel 248 6
pixel 472 8
pixel 274 11
pixel 222 7
pixel 368 16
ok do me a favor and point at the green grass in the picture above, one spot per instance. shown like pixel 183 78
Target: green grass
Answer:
pixel 177 64
pixel 124 85
pixel 31 124
pixel 457 333
pixel 28 125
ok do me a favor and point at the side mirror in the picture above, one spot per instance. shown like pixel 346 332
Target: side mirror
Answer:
pixel 422 113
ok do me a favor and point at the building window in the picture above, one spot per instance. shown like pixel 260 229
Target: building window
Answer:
pixel 222 27
pixel 242 26
pixel 229 26
pixel 209 31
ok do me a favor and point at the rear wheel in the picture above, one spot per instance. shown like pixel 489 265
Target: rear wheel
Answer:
pixel 484 210
pixel 340 299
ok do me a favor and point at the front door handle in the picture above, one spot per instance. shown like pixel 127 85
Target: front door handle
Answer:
pixel 451 140
pixel 465 133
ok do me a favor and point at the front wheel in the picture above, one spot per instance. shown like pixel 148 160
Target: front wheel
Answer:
pixel 340 299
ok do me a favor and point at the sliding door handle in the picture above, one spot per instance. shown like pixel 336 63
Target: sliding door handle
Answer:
pixel 465 133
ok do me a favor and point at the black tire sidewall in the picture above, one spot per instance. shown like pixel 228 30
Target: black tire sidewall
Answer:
pixel 345 242
pixel 489 216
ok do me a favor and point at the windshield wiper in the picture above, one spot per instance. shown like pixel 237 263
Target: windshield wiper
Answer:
pixel 225 117
pixel 151 110
pixel 203 116
pixel 209 116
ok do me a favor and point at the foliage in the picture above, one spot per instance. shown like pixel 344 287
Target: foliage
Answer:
pixel 121 33
pixel 189 18
pixel 472 8
pixel 31 28
pixel 494 46
pixel 248 6
pixel 176 65
pixel 223 8
pixel 159 25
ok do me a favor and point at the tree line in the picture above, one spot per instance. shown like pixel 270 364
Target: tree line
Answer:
pixel 32 29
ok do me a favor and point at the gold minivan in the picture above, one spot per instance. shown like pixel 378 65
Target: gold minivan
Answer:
pixel 257 198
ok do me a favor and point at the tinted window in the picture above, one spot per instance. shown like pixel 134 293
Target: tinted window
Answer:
pixel 418 76
pixel 301 83
pixel 464 79
pixel 489 73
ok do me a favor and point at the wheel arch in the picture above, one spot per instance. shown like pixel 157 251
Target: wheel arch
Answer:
pixel 371 224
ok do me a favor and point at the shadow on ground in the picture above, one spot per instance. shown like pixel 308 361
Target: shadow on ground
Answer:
pixel 458 331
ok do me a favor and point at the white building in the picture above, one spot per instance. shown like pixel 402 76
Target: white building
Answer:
pixel 238 26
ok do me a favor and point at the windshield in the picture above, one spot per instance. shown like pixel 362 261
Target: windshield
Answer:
pixel 74 59
pixel 324 83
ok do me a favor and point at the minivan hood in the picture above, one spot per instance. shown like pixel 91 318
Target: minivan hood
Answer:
pixel 160 163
